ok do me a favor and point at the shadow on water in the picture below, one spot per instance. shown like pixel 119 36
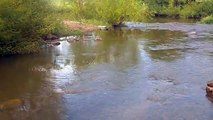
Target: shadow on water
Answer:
pixel 163 20
pixel 152 72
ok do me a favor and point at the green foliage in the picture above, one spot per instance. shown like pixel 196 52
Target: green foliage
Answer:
pixel 61 30
pixel 156 6
pixel 116 12
pixel 22 23
pixel 185 8
pixel 205 8
pixel 207 20
pixel 197 10
pixel 172 11
pixel 189 10
pixel 109 11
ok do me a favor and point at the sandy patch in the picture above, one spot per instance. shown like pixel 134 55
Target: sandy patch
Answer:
pixel 77 26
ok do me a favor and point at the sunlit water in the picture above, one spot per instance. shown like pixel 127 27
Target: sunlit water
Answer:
pixel 155 71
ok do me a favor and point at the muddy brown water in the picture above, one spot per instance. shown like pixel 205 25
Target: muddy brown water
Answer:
pixel 155 71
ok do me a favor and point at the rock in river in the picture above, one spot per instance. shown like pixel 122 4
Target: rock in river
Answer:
pixel 11 104
pixel 209 89
pixel 55 43
pixel 51 37
pixel 210 84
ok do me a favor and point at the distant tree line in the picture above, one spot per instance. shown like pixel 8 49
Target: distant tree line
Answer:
pixel 181 8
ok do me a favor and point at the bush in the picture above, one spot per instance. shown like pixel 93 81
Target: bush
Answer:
pixel 22 24
pixel 109 11
pixel 197 10
pixel 172 11
pixel 189 10
pixel 61 30
pixel 157 6
pixel 207 20
pixel 116 12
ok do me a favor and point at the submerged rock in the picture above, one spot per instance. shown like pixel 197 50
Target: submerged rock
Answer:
pixel 72 38
pixel 51 37
pixel 56 43
pixel 98 38
pixel 120 25
pixel 209 89
pixel 210 84
pixel 104 28
pixel 58 91
pixel 39 69
pixel 11 104
pixel 193 33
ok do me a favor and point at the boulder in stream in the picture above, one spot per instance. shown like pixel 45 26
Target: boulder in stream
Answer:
pixel 55 43
pixel 51 37
pixel 11 104
pixel 209 89
pixel 104 28
pixel 210 83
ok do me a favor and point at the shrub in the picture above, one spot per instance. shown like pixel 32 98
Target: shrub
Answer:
pixel 189 11
pixel 116 12
pixel 197 10
pixel 207 20
pixel 22 24
pixel 109 11
pixel 172 11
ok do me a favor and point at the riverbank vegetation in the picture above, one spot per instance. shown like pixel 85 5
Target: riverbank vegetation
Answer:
pixel 24 23
pixel 208 20
pixel 181 8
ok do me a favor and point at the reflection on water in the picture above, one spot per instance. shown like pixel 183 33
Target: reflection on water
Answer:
pixel 155 73
pixel 164 44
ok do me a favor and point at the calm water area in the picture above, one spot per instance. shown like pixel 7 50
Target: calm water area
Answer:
pixel 150 71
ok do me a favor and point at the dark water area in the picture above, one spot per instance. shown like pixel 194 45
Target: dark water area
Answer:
pixel 172 19
pixel 152 71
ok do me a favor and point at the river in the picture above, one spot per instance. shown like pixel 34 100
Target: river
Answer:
pixel 151 71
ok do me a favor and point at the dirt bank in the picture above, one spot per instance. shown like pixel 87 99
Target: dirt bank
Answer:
pixel 82 27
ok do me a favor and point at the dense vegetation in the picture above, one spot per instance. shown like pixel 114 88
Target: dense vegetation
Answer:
pixel 106 11
pixel 24 22
pixel 208 20
pixel 181 8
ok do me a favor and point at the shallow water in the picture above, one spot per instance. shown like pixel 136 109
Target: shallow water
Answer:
pixel 155 71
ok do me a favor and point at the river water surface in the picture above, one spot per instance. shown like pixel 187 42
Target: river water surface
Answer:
pixel 155 71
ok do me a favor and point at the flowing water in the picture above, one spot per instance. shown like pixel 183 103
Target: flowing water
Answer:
pixel 155 71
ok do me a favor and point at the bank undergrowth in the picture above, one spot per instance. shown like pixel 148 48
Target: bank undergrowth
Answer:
pixel 108 11
pixel 207 20
pixel 195 9
pixel 24 22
